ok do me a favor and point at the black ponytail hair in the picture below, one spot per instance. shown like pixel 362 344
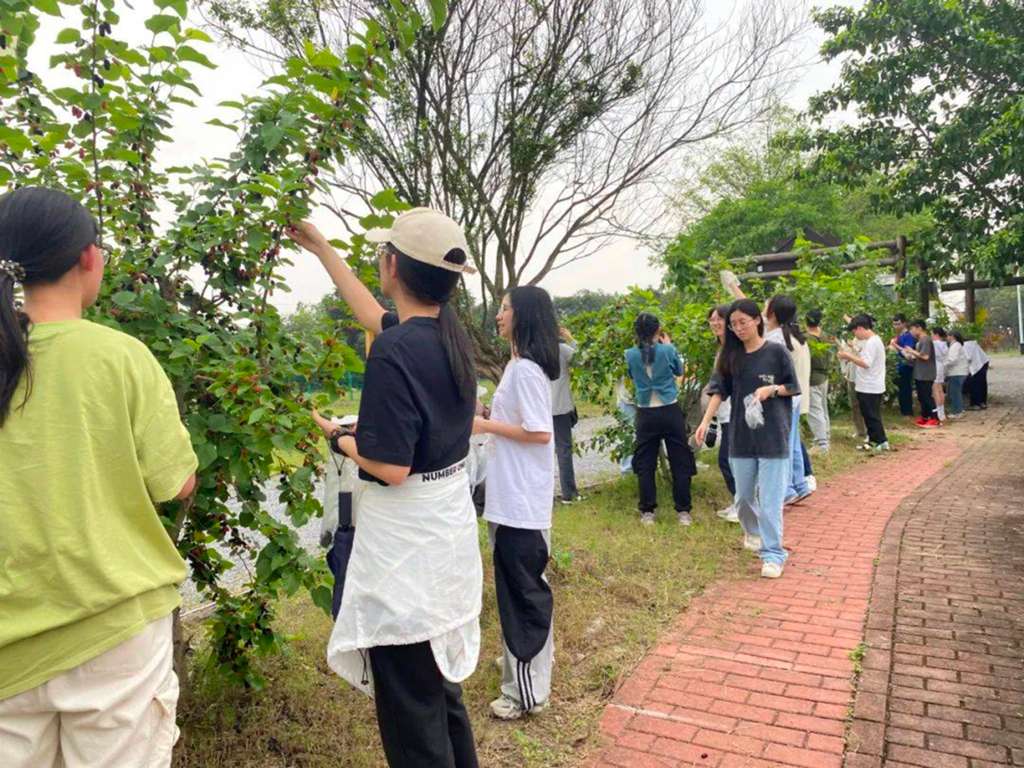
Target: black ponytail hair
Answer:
pixel 730 358
pixel 646 327
pixel 43 232
pixel 535 328
pixel 784 309
pixel 433 285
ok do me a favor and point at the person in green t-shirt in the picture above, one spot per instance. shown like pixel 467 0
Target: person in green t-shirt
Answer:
pixel 90 441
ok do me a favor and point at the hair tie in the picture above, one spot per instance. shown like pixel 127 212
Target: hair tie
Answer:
pixel 13 270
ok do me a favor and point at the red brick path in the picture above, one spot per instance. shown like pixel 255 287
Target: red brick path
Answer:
pixel 943 685
pixel 757 673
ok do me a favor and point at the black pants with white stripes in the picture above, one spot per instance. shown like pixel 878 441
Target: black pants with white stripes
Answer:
pixel 421 717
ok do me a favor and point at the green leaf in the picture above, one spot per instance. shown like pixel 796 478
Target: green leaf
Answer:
pixel 438 13
pixel 387 200
pixel 179 6
pixel 322 598
pixel 124 298
pixel 187 53
pixel 198 34
pixel 68 35
pixel 51 7
pixel 324 58
pixel 207 454
pixel 162 22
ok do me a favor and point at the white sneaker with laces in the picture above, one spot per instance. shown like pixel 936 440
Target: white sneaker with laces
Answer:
pixel 684 518
pixel 729 514
pixel 771 571
pixel 647 518
pixel 812 483
pixel 753 543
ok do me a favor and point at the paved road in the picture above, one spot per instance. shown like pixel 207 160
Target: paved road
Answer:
pixel 944 675
pixel 757 673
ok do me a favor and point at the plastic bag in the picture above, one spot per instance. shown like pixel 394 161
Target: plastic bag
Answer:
pixel 753 411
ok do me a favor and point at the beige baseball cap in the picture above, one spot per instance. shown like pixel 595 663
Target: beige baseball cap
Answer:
pixel 425 235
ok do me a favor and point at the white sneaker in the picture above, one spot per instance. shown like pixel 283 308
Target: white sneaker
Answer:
pixel 881 447
pixel 647 518
pixel 771 571
pixel 506 708
pixel 753 543
pixel 684 518
pixel 729 514
pixel 812 483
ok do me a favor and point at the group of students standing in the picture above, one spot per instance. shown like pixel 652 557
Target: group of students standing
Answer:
pixel 769 372
pixel 91 441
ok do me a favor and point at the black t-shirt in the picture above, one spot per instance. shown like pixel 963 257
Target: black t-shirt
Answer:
pixel 410 413
pixel 771 364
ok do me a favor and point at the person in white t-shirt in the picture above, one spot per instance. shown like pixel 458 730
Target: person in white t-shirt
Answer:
pixel 520 494
pixel 869 379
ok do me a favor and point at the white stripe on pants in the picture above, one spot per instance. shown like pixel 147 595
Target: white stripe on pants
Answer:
pixel 114 711
pixel 534 676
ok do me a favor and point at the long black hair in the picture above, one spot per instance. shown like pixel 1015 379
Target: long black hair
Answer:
pixel 43 232
pixel 535 328
pixel 784 309
pixel 645 328
pixel 730 359
pixel 433 285
pixel 958 336
pixel 722 310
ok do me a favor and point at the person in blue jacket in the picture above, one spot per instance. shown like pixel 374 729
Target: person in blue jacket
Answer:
pixel 653 365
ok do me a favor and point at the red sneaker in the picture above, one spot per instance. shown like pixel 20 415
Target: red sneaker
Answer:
pixel 921 421
pixel 931 424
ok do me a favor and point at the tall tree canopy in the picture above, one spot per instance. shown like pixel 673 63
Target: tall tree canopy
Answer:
pixel 544 126
pixel 938 89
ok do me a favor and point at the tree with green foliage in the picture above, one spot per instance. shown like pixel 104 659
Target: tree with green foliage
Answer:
pixel 938 89
pixel 194 256
pixel 543 127
pixel 760 192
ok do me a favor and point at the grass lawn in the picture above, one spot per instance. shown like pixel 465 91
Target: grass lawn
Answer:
pixel 617 586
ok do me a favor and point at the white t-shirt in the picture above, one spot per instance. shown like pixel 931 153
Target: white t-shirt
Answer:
pixel 521 476
pixel 871 380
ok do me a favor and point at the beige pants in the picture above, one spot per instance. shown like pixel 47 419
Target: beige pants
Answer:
pixel 113 711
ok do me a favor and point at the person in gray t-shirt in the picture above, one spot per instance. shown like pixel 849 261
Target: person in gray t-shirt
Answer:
pixel 563 411
pixel 923 357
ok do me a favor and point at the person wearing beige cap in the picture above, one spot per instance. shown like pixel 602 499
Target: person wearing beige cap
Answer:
pixel 408 628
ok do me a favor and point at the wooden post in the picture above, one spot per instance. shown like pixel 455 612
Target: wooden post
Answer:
pixel 901 255
pixel 969 305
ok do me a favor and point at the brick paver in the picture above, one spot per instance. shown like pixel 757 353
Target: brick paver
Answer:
pixel 758 673
pixel 946 623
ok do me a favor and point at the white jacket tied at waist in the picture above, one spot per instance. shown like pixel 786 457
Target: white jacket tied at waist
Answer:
pixel 415 575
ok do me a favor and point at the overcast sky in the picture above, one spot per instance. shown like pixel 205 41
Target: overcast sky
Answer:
pixel 619 265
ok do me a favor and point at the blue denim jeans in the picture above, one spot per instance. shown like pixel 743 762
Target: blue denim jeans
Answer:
pixel 955 387
pixel 796 485
pixel 760 491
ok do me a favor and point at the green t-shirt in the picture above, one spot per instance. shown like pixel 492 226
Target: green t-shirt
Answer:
pixel 85 562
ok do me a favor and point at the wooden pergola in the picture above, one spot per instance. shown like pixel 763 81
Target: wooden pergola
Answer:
pixel 771 265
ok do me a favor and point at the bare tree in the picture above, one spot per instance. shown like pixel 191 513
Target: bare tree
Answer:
pixel 545 127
